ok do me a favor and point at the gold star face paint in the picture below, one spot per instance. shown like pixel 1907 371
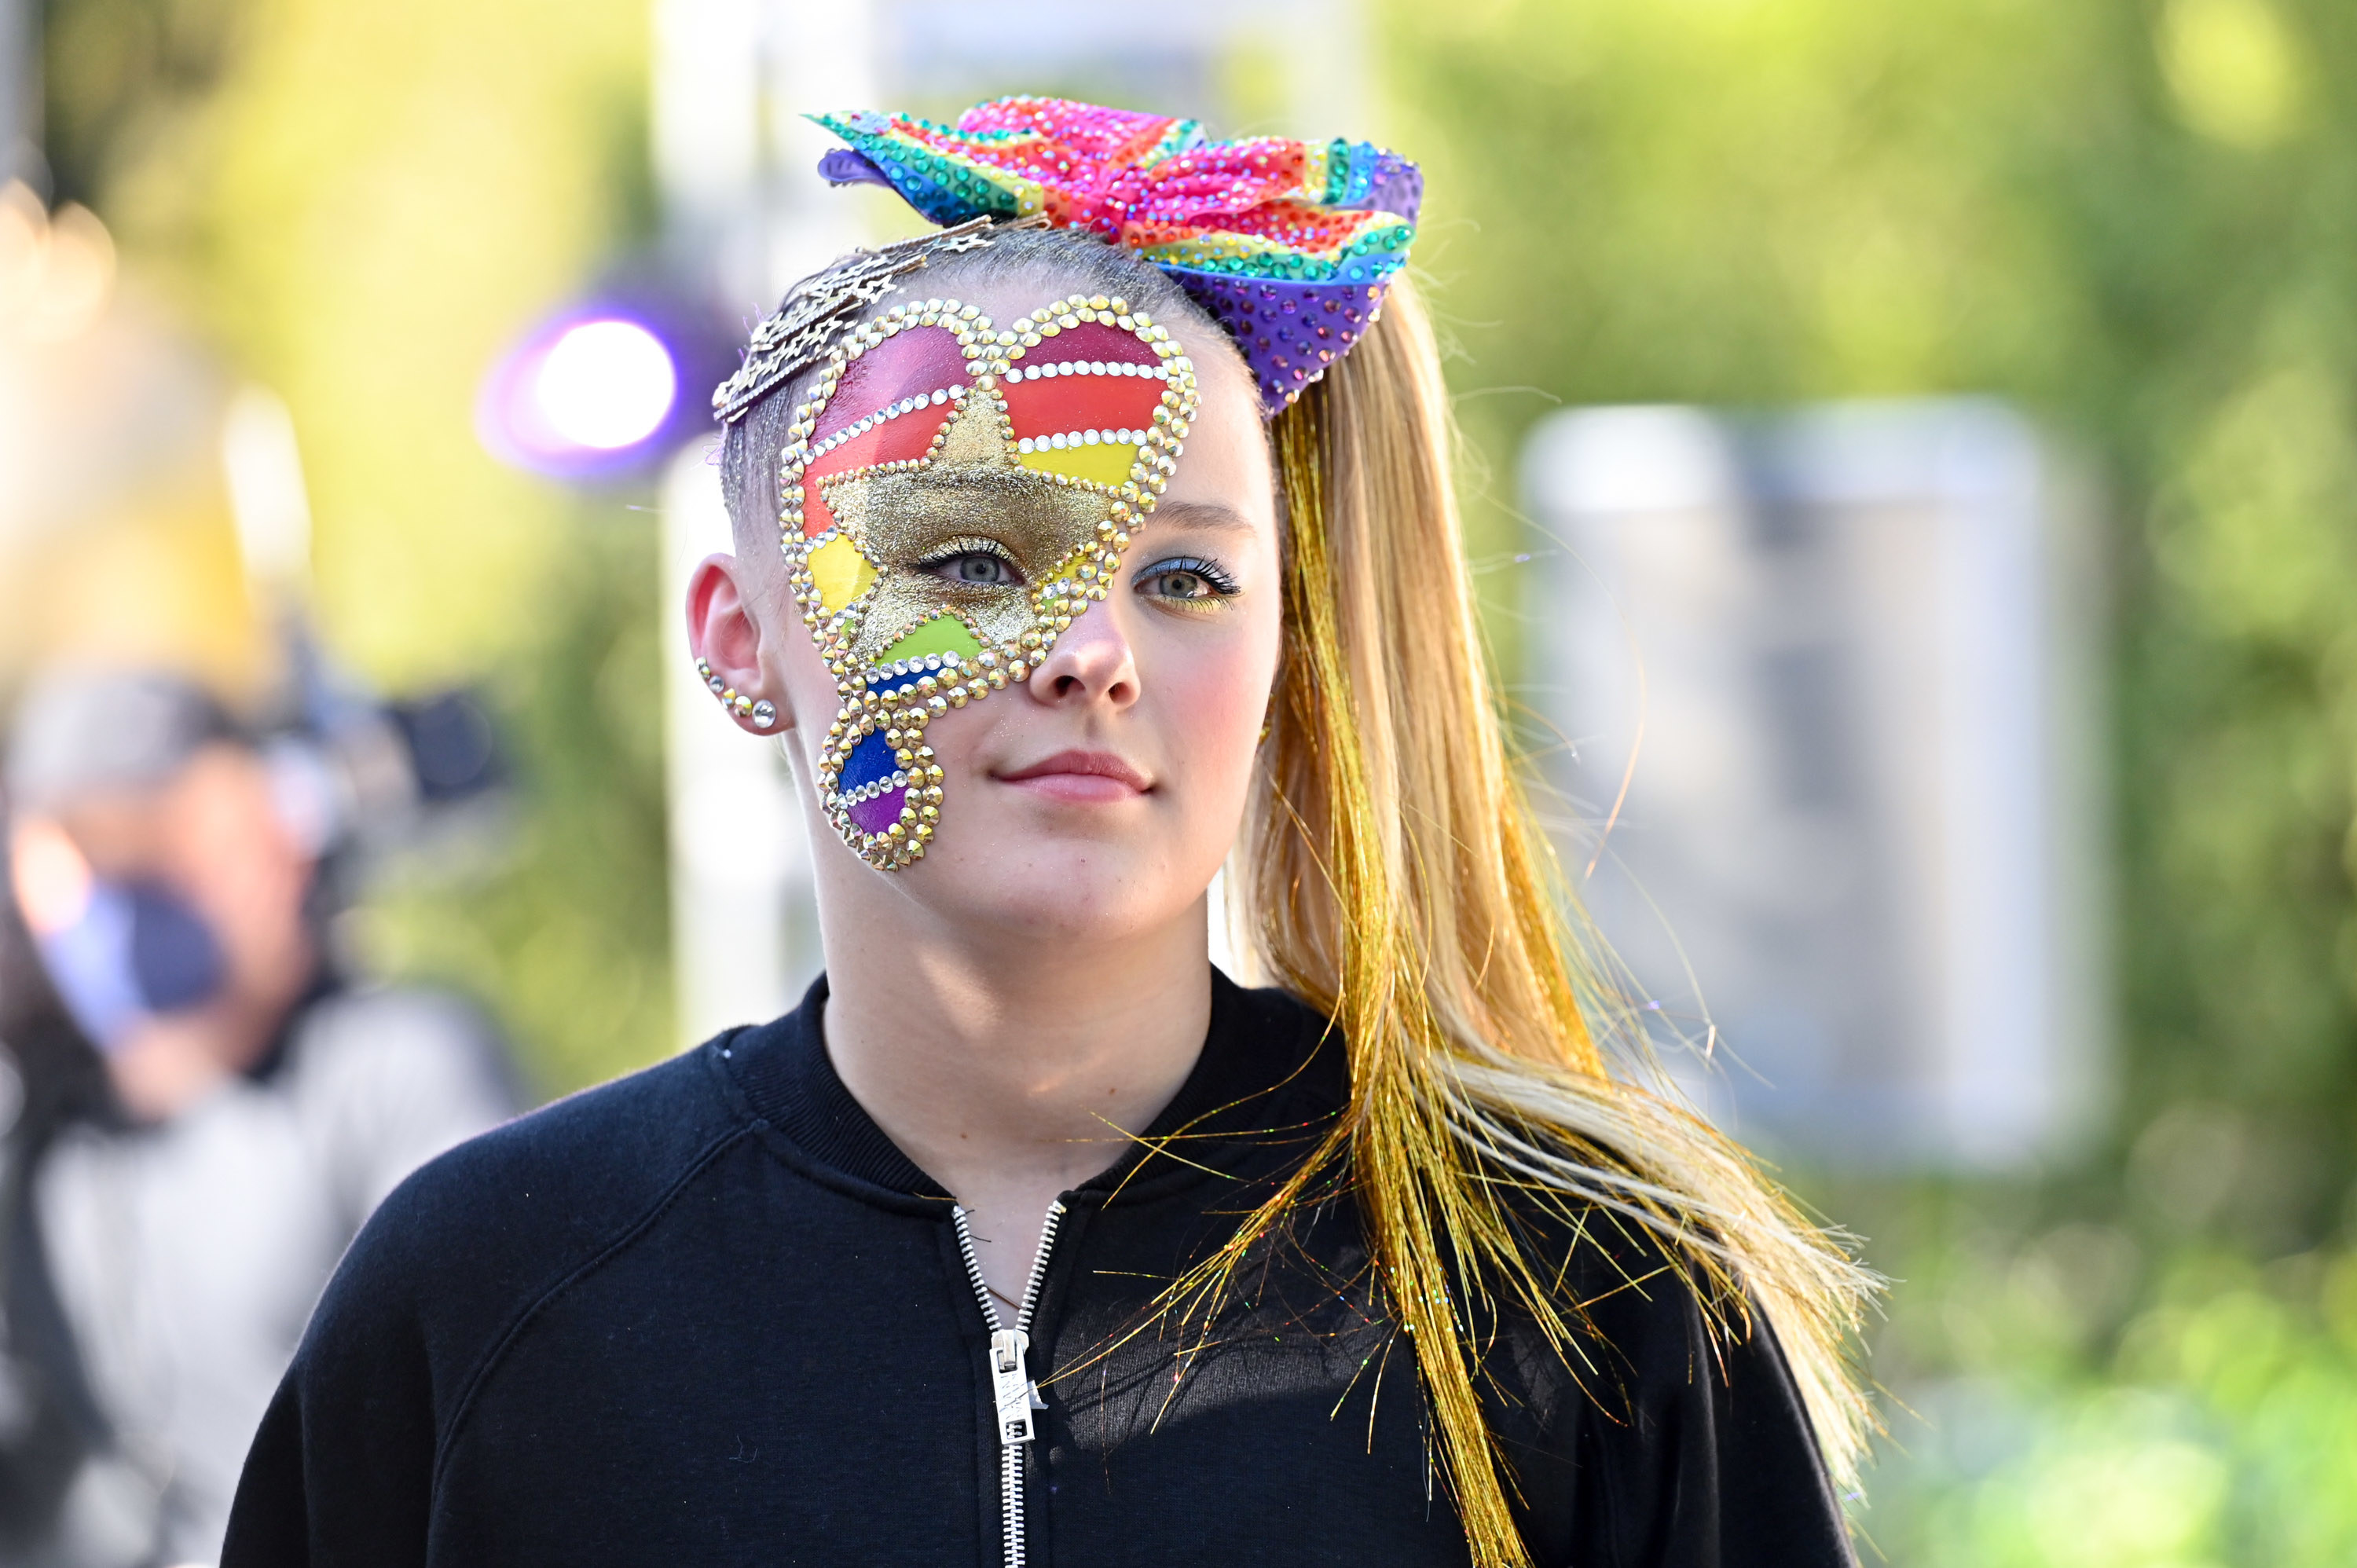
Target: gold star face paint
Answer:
pixel 952 496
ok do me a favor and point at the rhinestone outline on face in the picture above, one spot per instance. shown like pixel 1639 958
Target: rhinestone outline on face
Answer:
pixel 898 699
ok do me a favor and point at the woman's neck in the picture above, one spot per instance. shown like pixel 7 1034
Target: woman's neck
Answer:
pixel 1013 1068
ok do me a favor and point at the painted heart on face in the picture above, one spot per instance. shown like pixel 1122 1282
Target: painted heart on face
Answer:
pixel 952 496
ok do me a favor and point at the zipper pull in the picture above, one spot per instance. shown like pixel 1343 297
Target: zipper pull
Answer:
pixel 1010 1383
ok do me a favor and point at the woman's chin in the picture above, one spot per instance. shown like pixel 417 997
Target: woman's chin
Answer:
pixel 1082 891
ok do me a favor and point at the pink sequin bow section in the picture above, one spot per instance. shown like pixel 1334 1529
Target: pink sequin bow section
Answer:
pixel 954 495
pixel 1287 244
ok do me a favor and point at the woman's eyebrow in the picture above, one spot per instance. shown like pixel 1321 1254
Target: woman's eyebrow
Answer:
pixel 1201 514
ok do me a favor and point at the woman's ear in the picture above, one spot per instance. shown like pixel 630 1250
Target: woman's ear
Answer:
pixel 725 635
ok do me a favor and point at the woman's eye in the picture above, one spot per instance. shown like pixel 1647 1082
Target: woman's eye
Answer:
pixel 1181 586
pixel 1188 580
pixel 978 569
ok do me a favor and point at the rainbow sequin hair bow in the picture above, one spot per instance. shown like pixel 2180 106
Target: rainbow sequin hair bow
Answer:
pixel 1287 244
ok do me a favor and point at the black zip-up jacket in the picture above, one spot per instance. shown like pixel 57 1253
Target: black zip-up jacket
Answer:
pixel 711 1315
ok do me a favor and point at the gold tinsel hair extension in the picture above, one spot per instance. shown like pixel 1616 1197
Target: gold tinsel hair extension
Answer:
pixel 1393 876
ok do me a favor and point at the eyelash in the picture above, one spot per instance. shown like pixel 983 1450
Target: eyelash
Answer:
pixel 1214 576
pixel 964 544
pixel 972 544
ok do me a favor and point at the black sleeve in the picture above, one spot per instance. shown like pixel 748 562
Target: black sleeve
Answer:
pixel 1667 1444
pixel 341 1474
pixel 1722 1468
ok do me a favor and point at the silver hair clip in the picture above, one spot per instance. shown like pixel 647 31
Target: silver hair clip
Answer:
pixel 824 307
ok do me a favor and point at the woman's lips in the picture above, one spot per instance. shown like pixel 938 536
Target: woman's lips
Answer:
pixel 1081 776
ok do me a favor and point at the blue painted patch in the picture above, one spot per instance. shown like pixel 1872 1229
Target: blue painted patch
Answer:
pixel 869 760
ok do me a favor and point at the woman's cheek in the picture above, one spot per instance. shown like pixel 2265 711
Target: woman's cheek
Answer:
pixel 1220 699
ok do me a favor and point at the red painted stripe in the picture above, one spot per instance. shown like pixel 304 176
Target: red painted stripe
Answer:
pixel 1082 402
pixel 894 441
pixel 1090 341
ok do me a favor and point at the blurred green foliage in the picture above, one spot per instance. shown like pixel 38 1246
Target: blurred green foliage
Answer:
pixel 567 925
pixel 361 203
pixel 2218 1425
pixel 2139 219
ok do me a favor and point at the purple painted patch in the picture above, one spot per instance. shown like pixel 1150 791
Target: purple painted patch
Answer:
pixel 874 816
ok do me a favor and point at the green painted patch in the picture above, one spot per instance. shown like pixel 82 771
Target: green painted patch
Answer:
pixel 943 634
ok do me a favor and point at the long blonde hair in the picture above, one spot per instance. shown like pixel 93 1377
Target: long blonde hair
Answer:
pixel 1391 875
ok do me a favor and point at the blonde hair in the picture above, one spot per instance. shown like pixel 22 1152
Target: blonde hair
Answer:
pixel 1391 875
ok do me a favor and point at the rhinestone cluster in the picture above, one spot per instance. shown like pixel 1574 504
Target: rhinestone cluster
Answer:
pixel 1287 244
pixel 1095 367
pixel 898 699
pixel 1063 439
pixel 906 405
pixel 762 712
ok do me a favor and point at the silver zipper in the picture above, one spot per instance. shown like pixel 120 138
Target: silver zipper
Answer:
pixel 1011 1387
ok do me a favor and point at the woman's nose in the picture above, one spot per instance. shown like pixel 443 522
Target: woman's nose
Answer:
pixel 1090 661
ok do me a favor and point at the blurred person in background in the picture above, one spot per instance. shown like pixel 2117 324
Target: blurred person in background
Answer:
pixel 181 1185
pixel 53 1453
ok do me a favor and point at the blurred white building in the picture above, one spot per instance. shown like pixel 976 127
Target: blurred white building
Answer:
pixel 1825 683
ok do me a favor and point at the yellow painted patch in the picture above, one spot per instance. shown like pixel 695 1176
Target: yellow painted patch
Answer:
pixel 1100 465
pixel 1065 573
pixel 841 573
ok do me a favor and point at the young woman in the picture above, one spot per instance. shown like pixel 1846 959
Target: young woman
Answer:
pixel 1118 546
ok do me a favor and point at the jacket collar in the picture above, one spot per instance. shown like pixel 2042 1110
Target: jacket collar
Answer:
pixel 1270 1074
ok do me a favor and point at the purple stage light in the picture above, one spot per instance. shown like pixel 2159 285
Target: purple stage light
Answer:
pixel 585 397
